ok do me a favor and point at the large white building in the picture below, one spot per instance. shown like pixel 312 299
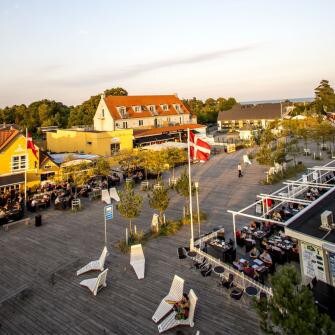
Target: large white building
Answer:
pixel 154 118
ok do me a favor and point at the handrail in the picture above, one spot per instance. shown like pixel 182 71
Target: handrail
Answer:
pixel 229 269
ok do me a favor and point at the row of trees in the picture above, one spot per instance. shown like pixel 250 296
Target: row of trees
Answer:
pixel 51 113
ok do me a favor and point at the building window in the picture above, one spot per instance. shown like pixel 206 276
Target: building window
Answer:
pixel 137 108
pixel 177 107
pixel 125 124
pixel 151 108
pixel 140 122
pixel 168 119
pixel 180 119
pixel 18 163
pixel 103 113
pixel 165 107
pixel 115 148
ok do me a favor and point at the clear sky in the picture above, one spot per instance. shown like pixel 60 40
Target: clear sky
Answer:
pixel 68 50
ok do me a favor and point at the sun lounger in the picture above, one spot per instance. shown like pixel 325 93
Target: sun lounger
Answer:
pixel 95 284
pixel 175 294
pixel 113 194
pixel 171 322
pixel 137 260
pixel 95 265
pixel 105 197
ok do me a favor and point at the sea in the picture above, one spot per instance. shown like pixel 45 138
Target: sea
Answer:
pixel 256 102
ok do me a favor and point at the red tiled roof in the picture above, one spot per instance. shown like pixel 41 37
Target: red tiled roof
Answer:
pixel 156 131
pixel 144 101
pixel 6 136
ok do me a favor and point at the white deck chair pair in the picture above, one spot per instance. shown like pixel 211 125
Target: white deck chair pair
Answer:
pixel 175 294
pixel 105 197
pixel 137 260
pixel 113 194
pixel 95 283
pixel 171 322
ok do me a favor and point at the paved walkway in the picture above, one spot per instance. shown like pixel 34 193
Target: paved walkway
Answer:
pixel 40 294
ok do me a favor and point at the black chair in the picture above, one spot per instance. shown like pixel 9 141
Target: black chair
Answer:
pixel 228 283
pixel 207 271
pixel 236 293
pixel 262 296
pixel 182 253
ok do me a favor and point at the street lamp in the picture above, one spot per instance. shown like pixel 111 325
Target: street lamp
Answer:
pixel 196 184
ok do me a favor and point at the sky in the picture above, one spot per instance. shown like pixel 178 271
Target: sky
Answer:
pixel 249 49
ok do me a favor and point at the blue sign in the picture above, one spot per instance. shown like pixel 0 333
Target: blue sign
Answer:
pixel 108 212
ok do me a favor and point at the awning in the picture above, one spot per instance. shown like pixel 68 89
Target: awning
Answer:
pixel 12 179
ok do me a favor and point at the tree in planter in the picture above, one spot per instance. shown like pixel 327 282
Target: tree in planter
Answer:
pixel 293 149
pixel 291 310
pixel 101 167
pixel 156 162
pixel 130 204
pixel 182 188
pixel 159 199
pixel 175 156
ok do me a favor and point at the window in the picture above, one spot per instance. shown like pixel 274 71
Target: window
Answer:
pixel 140 122
pixel 137 108
pixel 125 124
pixel 177 107
pixel 115 147
pixel 165 107
pixel 151 108
pixel 18 163
pixel 168 119
pixel 103 113
pixel 180 119
pixel 122 111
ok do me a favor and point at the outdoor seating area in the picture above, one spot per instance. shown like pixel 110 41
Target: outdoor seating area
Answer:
pixel 11 206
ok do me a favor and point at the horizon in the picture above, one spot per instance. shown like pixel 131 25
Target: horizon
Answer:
pixel 68 52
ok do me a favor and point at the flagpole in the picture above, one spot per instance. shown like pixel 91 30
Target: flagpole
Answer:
pixel 25 170
pixel 190 188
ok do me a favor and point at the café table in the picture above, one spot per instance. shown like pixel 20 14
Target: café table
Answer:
pixel 251 291
pixel 219 270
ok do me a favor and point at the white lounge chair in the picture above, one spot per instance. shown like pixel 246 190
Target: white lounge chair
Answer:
pixel 175 294
pixel 95 283
pixel 113 194
pixel 105 197
pixel 171 321
pixel 137 260
pixel 95 265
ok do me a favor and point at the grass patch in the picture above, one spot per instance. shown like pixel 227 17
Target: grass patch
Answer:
pixel 171 227
pixel 290 172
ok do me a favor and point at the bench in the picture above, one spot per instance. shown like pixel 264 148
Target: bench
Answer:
pixel 94 194
pixel 8 226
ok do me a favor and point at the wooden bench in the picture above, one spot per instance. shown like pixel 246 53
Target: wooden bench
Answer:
pixel 8 226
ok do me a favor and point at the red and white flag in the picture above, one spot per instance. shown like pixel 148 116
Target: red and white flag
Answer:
pixel 31 145
pixel 199 149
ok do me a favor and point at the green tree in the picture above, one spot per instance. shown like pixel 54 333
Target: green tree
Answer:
pixel 101 167
pixel 291 310
pixel 130 204
pixel 175 156
pixel 324 100
pixel 159 199
pixel 116 91
pixel 156 162
pixel 183 189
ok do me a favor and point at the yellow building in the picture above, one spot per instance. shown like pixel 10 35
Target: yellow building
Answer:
pixel 103 143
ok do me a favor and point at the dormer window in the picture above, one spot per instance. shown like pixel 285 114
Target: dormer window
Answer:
pixel 165 107
pixel 137 109
pixel 177 107
pixel 152 108
pixel 122 110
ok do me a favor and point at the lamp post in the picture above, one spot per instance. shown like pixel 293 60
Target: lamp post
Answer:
pixel 196 184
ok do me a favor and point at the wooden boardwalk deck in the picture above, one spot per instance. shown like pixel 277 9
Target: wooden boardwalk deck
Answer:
pixel 40 294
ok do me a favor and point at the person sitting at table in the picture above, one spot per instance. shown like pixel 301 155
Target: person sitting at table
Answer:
pixel 266 257
pixel 253 225
pixel 254 253
pixel 182 308
pixel 33 205
pixel 243 235
pixel 249 271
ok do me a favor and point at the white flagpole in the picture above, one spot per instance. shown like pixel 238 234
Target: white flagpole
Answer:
pixel 25 170
pixel 190 188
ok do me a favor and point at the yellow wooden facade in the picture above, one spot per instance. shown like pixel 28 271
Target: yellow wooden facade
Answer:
pixel 103 143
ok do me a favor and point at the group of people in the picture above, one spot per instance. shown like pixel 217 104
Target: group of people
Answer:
pixel 11 205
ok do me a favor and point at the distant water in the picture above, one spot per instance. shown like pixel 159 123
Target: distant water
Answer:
pixel 255 102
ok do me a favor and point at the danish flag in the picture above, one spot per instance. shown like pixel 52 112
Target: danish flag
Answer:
pixel 199 149
pixel 31 145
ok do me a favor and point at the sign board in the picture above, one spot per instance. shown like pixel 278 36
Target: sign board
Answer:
pixel 304 178
pixel 312 261
pixel 315 175
pixel 108 212
pixel 259 209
